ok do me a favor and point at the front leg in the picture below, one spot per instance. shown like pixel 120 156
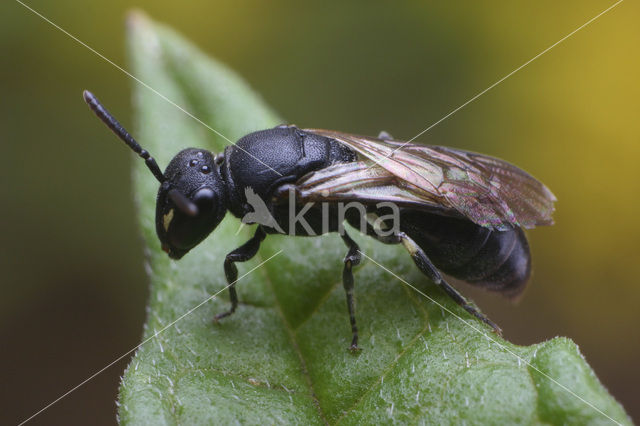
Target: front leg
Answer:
pixel 352 258
pixel 241 254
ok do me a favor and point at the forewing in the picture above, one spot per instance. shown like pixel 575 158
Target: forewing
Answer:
pixel 486 190
pixel 359 181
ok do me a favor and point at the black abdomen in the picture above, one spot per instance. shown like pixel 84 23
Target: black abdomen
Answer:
pixel 496 260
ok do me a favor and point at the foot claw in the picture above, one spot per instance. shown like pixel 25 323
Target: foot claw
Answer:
pixel 218 317
pixel 355 349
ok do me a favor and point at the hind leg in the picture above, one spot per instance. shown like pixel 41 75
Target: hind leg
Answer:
pixel 425 265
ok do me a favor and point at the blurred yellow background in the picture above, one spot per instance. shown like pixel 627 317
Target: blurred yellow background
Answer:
pixel 74 289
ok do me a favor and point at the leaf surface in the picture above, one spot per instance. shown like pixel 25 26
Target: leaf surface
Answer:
pixel 282 357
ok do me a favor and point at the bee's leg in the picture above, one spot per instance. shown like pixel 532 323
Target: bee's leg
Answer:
pixel 424 264
pixel 385 136
pixel 352 258
pixel 241 254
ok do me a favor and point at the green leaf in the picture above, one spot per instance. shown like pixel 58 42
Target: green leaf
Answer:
pixel 282 358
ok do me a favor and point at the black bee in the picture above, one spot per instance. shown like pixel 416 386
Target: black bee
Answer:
pixel 457 212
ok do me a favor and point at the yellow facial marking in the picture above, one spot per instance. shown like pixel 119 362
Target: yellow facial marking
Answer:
pixel 166 220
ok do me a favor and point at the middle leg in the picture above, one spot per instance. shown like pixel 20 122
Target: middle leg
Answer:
pixel 352 258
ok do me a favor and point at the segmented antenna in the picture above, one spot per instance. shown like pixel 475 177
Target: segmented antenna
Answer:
pixel 117 128
pixel 187 206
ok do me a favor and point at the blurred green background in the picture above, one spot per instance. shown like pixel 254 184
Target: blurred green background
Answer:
pixel 74 288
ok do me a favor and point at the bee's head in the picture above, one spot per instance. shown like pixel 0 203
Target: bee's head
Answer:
pixel 192 199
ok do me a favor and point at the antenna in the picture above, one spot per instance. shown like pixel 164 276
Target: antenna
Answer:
pixel 187 206
pixel 117 128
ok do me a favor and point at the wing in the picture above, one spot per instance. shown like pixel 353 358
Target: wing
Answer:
pixel 486 190
pixel 358 181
